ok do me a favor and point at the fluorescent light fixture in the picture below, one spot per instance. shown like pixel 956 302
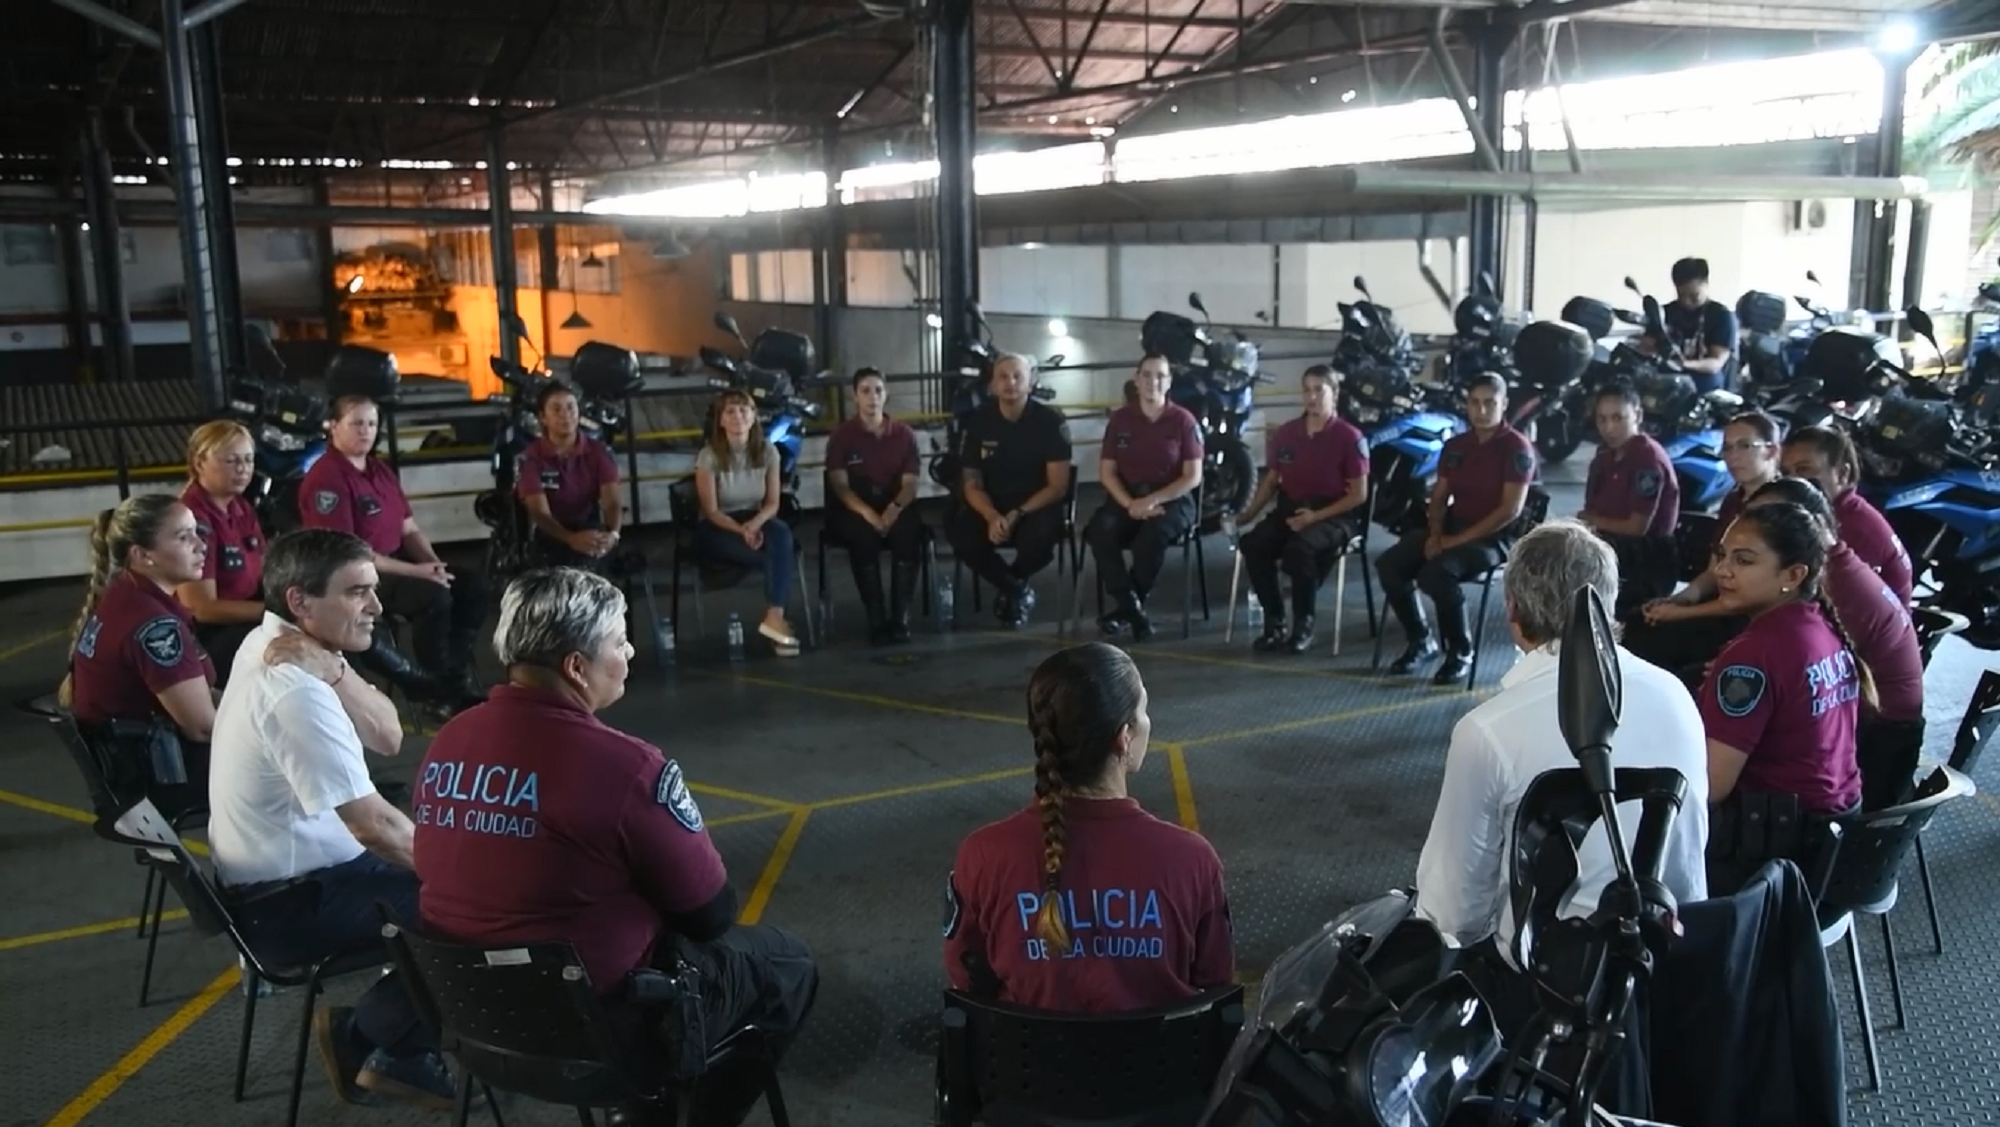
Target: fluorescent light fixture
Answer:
pixel 1899 38
pixel 934 321
pixel 1347 97
pixel 1058 328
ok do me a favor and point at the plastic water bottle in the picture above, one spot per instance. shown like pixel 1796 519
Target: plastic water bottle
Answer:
pixel 1256 615
pixel 735 637
pixel 1232 534
pixel 943 602
pixel 663 639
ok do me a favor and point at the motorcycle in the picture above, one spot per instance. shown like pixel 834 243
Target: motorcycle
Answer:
pixel 1213 380
pixel 1406 423
pixel 1482 338
pixel 968 383
pixel 288 426
pixel 772 371
pixel 1566 423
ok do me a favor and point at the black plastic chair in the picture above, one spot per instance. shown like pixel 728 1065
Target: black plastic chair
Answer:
pixel 1975 731
pixel 1932 627
pixel 1534 510
pixel 1864 881
pixel 526 1019
pixel 827 539
pixel 685 511
pixel 1194 572
pixel 144 828
pixel 1023 1067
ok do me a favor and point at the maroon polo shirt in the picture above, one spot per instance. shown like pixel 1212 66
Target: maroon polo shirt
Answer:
pixel 1316 467
pixel 137 643
pixel 571 481
pixel 1787 694
pixel 1879 626
pixel 1725 515
pixel 1144 902
pixel 537 822
pixel 367 502
pixel 1634 480
pixel 235 541
pixel 1148 452
pixel 1867 531
pixel 1478 471
pixel 875 462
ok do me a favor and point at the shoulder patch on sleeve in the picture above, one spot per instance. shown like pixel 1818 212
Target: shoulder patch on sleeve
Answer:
pixel 1524 461
pixel 953 909
pixel 325 501
pixel 1646 483
pixel 1739 690
pixel 672 792
pixel 161 639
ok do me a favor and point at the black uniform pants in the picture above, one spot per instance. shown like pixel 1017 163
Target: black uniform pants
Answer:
pixel 446 620
pixel 1682 648
pixel 762 976
pixel 1304 556
pixel 1112 530
pixel 1035 541
pixel 904 540
pixel 1648 568
pixel 1404 571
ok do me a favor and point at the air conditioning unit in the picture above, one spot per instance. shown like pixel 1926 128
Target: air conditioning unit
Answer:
pixel 1805 215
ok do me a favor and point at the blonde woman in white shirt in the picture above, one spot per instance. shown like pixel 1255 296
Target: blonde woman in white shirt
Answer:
pixel 737 482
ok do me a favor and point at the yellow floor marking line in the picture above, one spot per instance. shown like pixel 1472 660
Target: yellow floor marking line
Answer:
pixel 781 855
pixel 103 1087
pixel 39 938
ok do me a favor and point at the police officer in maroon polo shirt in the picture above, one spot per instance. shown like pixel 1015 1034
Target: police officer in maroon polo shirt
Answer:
pixel 349 490
pixel 871 469
pixel 1082 901
pixel 537 822
pixel 1316 469
pixel 568 484
pixel 1827 455
pixel 1150 467
pixel 1632 499
pixel 226 600
pixel 1482 487
pixel 134 659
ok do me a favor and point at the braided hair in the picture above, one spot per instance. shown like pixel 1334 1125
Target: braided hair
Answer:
pixel 135 523
pixel 1798 537
pixel 1079 701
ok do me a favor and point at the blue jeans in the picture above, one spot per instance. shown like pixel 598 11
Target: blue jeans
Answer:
pixel 774 559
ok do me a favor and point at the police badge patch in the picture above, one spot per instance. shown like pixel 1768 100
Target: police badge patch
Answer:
pixel 161 639
pixel 1646 483
pixel 1524 461
pixel 672 792
pixel 951 906
pixel 1739 690
pixel 325 501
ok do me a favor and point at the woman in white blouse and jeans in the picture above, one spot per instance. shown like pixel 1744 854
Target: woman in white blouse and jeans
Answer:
pixel 736 479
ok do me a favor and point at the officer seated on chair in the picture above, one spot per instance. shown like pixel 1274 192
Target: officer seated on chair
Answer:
pixel 1150 467
pixel 537 822
pixel 1016 459
pixel 871 466
pixel 1482 486
pixel 1082 902
pixel 1632 499
pixel 1317 469
pixel 568 485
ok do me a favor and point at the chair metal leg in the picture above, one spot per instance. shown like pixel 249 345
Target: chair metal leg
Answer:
pixel 1479 633
pixel 152 941
pixel 249 1021
pixel 1861 1003
pixel 1070 625
pixel 1895 975
pixel 1368 593
pixel 1930 902
pixel 146 899
pixel 1235 578
pixel 1339 600
pixel 463 1110
pixel 1201 573
pixel 306 1008
pixel 584 1117
pixel 775 1096
pixel 492 1103
pixel 820 593
pixel 1188 547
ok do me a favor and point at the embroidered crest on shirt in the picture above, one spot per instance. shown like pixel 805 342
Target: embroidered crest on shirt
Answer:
pixel 672 792
pixel 86 641
pixel 324 501
pixel 1739 690
pixel 1524 461
pixel 1646 483
pixel 161 639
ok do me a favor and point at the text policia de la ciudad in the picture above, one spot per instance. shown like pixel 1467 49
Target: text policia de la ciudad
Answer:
pixel 501 801
pixel 1105 924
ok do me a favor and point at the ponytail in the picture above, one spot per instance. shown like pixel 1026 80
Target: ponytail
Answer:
pixel 135 523
pixel 1868 694
pixel 1049 793
pixel 102 564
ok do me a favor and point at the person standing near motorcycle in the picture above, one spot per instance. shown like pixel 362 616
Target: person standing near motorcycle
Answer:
pixel 350 490
pixel 1632 499
pixel 226 602
pixel 1826 455
pixel 1317 472
pixel 1150 467
pixel 871 470
pixel 568 484
pixel 1482 488
pixel 739 485
pixel 1701 332
pixel 1016 473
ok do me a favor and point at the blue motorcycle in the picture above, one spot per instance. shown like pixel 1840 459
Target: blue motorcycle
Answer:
pixel 773 370
pixel 1214 380
pixel 1406 424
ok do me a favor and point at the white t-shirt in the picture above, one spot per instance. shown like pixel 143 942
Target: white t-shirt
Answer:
pixel 283 756
pixel 1500 747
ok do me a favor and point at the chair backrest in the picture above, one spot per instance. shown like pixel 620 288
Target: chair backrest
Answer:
pixel 1981 720
pixel 1156 1066
pixel 1873 844
pixel 91 763
pixel 160 846
pixel 1932 625
pixel 523 1017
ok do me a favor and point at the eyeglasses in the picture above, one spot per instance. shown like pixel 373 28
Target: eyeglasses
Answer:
pixel 1744 446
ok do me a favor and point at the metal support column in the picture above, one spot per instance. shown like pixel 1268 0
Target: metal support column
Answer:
pixel 332 299
pixel 549 265
pixel 501 203
pixel 831 297
pixel 107 253
pixel 1875 224
pixel 220 215
pixel 69 253
pixel 954 128
pixel 1489 89
pixel 1914 256
pixel 192 191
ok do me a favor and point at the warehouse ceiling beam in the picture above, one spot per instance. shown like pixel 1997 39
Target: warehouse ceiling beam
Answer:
pixel 201 14
pixel 124 25
pixel 1620 187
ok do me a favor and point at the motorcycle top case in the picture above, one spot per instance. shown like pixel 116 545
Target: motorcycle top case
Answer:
pixel 606 371
pixel 782 350
pixel 1171 335
pixel 1761 312
pixel 1847 363
pixel 1666 396
pixel 359 370
pixel 1379 385
pixel 1913 426
pixel 1591 315
pixel 1550 354
pixel 1476 317
pixel 288 409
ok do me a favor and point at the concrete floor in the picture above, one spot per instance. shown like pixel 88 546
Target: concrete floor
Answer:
pixel 837 786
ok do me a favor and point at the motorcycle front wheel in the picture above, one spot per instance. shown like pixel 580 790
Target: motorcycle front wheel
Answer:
pixel 1227 478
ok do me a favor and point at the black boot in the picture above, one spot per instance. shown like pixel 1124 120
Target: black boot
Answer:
pixel 463 678
pixel 383 659
pixel 1275 637
pixel 1133 607
pixel 1457 643
pixel 1302 635
pixel 868 580
pixel 1420 647
pixel 902 584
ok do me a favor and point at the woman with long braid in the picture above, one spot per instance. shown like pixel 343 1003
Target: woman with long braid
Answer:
pixel 1082 902
pixel 1781 701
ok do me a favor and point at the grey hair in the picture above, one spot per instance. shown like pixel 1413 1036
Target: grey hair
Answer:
pixel 550 613
pixel 1544 571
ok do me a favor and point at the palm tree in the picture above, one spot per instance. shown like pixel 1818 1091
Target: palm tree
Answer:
pixel 1953 135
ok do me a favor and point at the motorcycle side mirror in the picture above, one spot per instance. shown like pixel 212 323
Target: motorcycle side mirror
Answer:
pixel 1194 302
pixel 1361 283
pixel 1590 689
pixel 1656 319
pixel 1633 285
pixel 1920 323
pixel 1485 283
pixel 1813 278
pixel 727 324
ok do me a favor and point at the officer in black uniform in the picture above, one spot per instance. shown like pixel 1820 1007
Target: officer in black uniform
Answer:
pixel 1016 459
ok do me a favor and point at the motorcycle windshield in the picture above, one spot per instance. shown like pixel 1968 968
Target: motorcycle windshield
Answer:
pixel 1428 1061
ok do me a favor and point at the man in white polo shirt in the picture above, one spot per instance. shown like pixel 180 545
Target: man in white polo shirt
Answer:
pixel 304 846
